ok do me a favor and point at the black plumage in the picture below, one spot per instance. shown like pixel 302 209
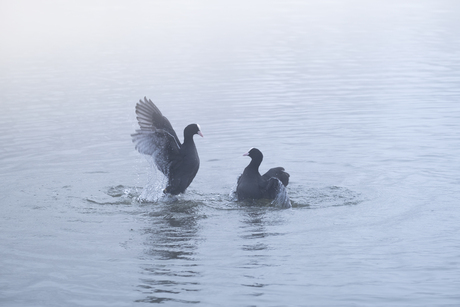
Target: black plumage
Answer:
pixel 252 185
pixel 156 137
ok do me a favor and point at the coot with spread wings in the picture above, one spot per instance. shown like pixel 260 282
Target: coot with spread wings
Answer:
pixel 156 137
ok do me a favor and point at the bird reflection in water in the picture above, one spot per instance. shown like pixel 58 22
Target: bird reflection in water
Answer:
pixel 171 245
pixel 256 232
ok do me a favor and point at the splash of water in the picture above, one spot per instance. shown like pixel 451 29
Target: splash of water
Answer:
pixel 282 198
pixel 156 182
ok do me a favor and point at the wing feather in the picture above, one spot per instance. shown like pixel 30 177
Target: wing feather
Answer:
pixel 277 172
pixel 159 144
pixel 156 137
pixel 149 116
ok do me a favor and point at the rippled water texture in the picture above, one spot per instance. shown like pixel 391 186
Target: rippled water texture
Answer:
pixel 357 100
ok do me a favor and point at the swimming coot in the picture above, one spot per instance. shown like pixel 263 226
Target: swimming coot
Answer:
pixel 156 137
pixel 251 185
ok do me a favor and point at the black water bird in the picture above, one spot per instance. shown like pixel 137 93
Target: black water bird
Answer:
pixel 156 137
pixel 252 185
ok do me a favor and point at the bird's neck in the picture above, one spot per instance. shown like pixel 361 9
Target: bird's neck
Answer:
pixel 188 140
pixel 254 165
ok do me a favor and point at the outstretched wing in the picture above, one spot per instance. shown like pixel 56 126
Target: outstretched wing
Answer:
pixel 156 136
pixel 277 172
pixel 158 144
pixel 149 116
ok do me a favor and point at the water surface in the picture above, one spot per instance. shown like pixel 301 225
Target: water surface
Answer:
pixel 357 100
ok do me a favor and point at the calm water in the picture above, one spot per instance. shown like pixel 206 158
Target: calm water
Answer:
pixel 358 100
